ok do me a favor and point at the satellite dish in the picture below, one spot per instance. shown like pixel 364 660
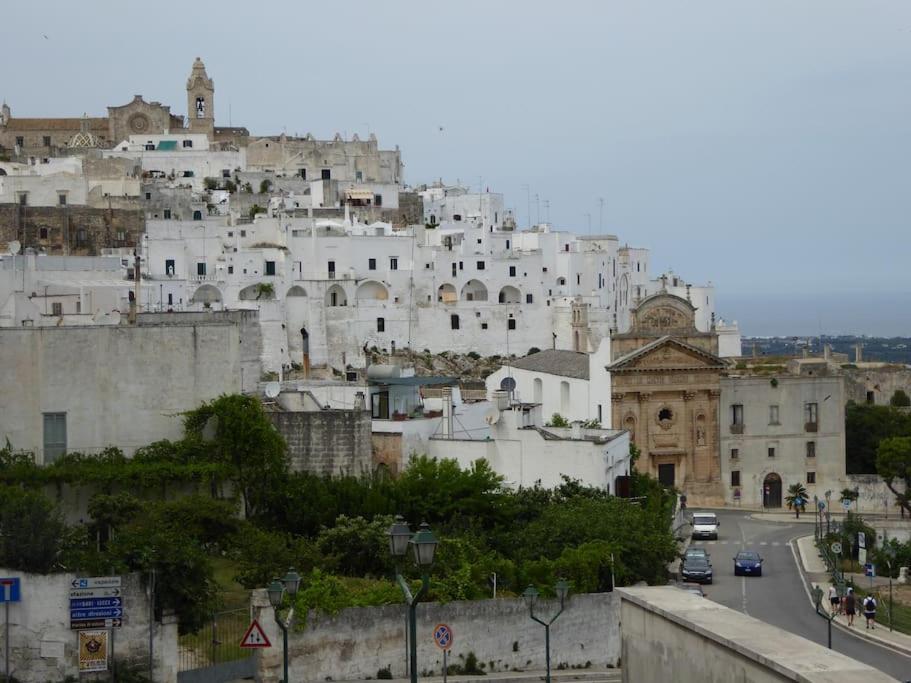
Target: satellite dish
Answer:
pixel 14 247
pixel 508 384
pixel 492 416
pixel 273 389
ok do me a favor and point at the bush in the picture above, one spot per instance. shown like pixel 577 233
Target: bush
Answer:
pixel 557 420
pixel 900 399
pixel 265 186
pixel 31 531
pixel 211 183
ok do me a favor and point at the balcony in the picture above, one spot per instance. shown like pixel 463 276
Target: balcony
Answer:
pixel 737 428
pixel 811 427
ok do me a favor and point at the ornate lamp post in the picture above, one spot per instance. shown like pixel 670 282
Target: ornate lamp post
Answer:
pixel 423 545
pixel 277 589
pixel 531 598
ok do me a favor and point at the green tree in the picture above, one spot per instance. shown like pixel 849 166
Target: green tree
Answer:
pixel 234 430
pixel 557 420
pixel 356 547
pixel 210 183
pixel 865 427
pixel 900 399
pixel 797 498
pixel 893 463
pixel 265 186
pixel 31 531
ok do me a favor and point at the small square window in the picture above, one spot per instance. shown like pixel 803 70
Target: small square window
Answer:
pixel 270 267
pixel 61 199
pixel 187 143
pixel 511 324
pixel 230 270
pixel 148 196
pixel 42 233
pixel 57 308
pixel 167 213
pixel 20 141
pixel 201 268
pixel 811 477
pixel 393 263
pixel 735 453
pixel 454 321
pixel 243 233
pixel 326 174
pixel 46 140
pixel 23 198
pixel 483 326
pixel 371 264
pixel 773 415
pixel 480 265
pixel 735 477
pixel 380 324
pixel 771 451
pixel 529 298
pixel 512 271
pixel 811 449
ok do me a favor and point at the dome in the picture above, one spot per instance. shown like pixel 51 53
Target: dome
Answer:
pixel 82 140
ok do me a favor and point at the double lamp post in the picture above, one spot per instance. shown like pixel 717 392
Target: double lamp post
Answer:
pixel 423 544
pixel 277 589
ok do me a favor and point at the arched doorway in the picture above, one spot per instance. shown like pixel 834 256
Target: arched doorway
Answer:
pixel 771 491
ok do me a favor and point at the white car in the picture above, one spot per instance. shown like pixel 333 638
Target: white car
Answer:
pixel 705 525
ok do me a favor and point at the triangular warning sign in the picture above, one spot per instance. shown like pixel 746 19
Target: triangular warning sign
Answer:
pixel 255 636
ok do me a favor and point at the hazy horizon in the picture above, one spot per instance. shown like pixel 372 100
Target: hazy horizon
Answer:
pixel 761 146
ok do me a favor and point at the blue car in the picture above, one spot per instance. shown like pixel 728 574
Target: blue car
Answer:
pixel 747 562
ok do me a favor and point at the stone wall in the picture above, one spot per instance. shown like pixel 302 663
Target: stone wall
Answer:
pixel 327 442
pixel 358 642
pixel 880 383
pixel 387 450
pixel 71 230
pixel 672 635
pixel 44 648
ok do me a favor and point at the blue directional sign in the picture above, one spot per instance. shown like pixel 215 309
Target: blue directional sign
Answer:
pixel 107 613
pixel 96 603
pixel 10 590
pixel 869 570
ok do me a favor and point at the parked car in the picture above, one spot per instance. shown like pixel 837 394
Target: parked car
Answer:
pixel 693 551
pixel 747 562
pixel 696 569
pixel 705 525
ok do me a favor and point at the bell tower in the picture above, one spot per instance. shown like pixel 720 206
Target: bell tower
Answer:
pixel 201 100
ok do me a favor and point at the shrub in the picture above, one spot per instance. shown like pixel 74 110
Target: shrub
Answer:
pixel 557 420
pixel 265 186
pixel 900 399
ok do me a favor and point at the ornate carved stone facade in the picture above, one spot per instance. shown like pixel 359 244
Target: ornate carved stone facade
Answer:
pixel 665 380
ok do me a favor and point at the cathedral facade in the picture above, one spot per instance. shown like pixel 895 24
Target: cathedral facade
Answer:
pixel 666 392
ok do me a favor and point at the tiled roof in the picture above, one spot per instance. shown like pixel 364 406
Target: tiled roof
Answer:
pixel 556 362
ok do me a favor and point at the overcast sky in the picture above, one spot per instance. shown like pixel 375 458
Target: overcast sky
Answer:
pixel 763 145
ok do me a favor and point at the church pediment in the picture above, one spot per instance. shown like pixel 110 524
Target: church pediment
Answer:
pixel 667 353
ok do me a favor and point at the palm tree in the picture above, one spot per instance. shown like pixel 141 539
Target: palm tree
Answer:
pixel 797 498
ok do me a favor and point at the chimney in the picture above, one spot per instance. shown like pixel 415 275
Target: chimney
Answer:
pixel 858 352
pixel 500 399
pixel 447 412
pixel 575 430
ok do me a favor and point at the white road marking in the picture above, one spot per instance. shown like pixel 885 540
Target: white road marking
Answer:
pixel 764 543
pixel 776 543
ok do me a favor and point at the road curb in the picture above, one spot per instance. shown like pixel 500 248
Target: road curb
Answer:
pixel 862 635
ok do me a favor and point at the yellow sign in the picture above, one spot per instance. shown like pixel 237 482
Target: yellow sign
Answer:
pixel 93 651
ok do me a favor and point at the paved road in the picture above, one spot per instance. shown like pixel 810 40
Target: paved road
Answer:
pixel 778 596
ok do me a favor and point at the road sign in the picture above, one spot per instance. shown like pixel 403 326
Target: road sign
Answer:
pixel 94 593
pixel 443 637
pixel 836 548
pixel 95 603
pixel 255 637
pixel 821 505
pixel 846 504
pixel 93 651
pixel 870 570
pixel 861 539
pixel 10 589
pixel 79 624
pixel 104 613
pixel 97 582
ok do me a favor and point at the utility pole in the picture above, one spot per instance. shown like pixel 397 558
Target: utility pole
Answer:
pixel 600 215
pixel 134 301
pixel 527 203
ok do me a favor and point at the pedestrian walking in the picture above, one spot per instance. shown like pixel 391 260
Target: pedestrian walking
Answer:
pixel 834 600
pixel 870 611
pixel 850 606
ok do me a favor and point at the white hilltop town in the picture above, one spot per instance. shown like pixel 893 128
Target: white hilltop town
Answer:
pixel 152 262
pixel 312 263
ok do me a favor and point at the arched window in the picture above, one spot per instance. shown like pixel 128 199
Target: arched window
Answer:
pixel 539 390
pixel 564 397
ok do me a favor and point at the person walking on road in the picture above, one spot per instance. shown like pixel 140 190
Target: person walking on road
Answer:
pixel 834 600
pixel 870 611
pixel 850 606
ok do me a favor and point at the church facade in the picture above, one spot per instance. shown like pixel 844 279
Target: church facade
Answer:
pixel 666 392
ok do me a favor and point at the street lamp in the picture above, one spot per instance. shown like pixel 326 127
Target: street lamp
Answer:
pixel 530 596
pixel 817 598
pixel 889 550
pixel 423 545
pixel 276 590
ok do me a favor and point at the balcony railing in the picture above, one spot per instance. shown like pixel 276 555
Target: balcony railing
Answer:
pixel 811 427
pixel 737 428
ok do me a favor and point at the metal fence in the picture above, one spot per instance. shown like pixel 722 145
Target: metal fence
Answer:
pixel 213 653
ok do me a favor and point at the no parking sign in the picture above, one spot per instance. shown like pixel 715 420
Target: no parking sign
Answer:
pixel 442 636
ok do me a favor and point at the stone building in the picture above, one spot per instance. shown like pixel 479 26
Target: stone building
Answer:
pixel 71 230
pixel 665 380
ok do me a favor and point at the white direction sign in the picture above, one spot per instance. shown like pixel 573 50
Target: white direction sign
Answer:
pixel 76 594
pixel 96 582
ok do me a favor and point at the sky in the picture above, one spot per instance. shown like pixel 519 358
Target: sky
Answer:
pixel 762 145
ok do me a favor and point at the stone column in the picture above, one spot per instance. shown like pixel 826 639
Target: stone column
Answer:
pixel 642 432
pixel 690 445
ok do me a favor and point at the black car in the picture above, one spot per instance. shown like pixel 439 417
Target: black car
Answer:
pixel 696 569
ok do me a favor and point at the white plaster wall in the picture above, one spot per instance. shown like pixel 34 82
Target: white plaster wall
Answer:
pixel 40 628
pixel 44 190
pixel 123 386
pixel 358 642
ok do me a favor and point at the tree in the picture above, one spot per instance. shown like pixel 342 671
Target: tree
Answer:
pixel 797 498
pixel 893 463
pixel 865 427
pixel 265 186
pixel 234 430
pixel 31 531
pixel 900 399
pixel 557 420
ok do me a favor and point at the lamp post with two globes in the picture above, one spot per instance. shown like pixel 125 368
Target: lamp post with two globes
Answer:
pixel 531 598
pixel 277 589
